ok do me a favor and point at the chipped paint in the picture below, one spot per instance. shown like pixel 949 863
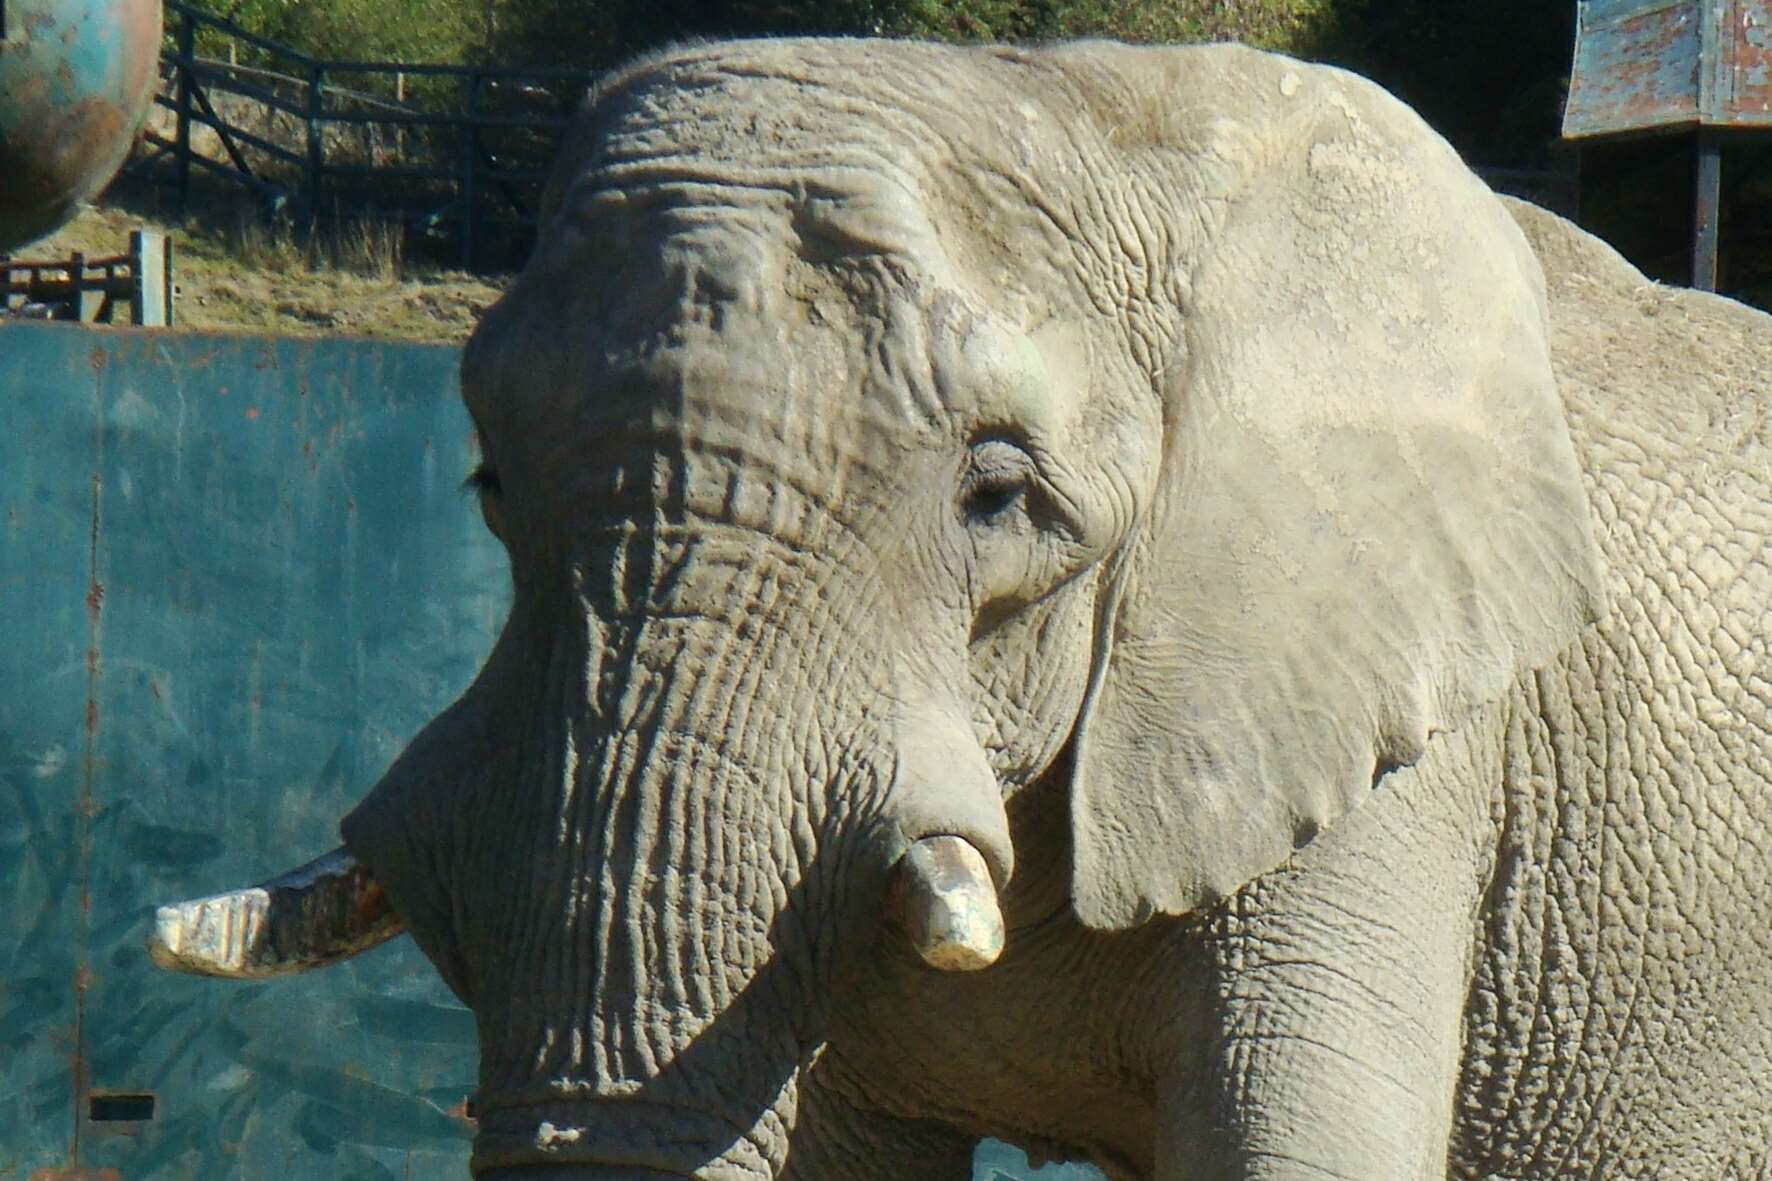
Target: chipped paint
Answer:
pixel 1749 96
pixel 1644 65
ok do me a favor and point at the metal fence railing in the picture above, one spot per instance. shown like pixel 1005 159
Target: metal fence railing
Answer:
pixel 457 152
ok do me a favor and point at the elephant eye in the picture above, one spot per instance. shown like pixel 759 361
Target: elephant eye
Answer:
pixel 997 482
pixel 988 500
pixel 484 480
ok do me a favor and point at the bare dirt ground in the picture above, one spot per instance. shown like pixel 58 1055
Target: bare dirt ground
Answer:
pixel 251 278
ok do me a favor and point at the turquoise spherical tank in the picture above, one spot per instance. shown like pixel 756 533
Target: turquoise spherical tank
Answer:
pixel 76 80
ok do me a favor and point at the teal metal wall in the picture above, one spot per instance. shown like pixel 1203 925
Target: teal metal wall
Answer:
pixel 236 574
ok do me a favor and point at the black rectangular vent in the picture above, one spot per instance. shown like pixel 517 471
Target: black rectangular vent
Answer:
pixel 119 1108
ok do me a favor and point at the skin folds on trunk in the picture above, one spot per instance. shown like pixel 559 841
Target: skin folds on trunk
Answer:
pixel 695 783
pixel 640 887
pixel 641 1022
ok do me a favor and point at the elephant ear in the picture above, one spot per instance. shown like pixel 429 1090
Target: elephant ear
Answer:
pixel 1369 518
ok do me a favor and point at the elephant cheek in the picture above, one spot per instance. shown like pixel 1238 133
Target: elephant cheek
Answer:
pixel 1030 674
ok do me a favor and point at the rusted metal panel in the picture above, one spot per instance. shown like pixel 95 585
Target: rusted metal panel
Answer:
pixel 1643 65
pixel 1636 67
pixel 238 574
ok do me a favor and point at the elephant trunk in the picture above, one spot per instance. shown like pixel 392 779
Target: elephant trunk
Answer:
pixel 640 845
pixel 653 914
pixel 661 915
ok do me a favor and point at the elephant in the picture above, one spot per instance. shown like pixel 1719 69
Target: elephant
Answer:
pixel 1116 598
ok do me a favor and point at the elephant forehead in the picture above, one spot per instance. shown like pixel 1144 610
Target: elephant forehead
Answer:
pixel 798 128
pixel 875 147
pixel 710 371
pixel 786 103
pixel 714 302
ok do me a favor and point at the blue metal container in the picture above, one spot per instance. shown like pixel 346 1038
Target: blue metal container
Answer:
pixel 76 80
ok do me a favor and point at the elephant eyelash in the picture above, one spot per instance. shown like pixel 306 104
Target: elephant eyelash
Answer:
pixel 992 496
pixel 483 479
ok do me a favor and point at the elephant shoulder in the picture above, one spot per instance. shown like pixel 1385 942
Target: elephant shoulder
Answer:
pixel 1686 373
pixel 1668 393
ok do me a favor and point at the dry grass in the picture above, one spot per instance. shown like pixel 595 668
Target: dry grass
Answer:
pixel 261 278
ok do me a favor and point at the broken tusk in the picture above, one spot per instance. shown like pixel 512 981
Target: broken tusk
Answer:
pixel 328 910
pixel 945 896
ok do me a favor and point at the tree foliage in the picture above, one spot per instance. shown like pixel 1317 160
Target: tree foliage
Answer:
pixel 603 32
pixel 367 30
pixel 1489 73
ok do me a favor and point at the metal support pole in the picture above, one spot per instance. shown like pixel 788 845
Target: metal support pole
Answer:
pixel 1709 210
pixel 150 269
pixel 187 52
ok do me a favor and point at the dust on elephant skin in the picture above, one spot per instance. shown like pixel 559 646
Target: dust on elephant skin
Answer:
pixel 1146 527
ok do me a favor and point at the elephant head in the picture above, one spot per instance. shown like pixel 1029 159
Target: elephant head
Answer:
pixel 882 429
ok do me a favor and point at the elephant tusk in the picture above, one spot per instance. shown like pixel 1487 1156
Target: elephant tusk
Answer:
pixel 944 895
pixel 327 910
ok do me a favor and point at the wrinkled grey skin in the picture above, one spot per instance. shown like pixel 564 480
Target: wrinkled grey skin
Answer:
pixel 1335 614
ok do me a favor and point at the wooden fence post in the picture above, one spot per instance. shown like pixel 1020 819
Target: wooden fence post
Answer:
pixel 87 299
pixel 470 154
pixel 316 139
pixel 187 52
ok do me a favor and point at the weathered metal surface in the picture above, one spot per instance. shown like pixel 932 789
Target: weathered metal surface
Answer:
pixel 1636 67
pixel 237 574
pixel 76 80
pixel 327 910
pixel 1644 65
pixel 1748 95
